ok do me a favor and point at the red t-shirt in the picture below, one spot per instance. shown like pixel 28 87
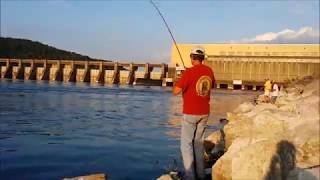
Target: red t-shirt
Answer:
pixel 196 83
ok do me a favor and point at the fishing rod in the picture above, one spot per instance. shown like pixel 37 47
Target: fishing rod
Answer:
pixel 174 41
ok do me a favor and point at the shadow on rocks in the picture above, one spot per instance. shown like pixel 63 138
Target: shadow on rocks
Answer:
pixel 283 164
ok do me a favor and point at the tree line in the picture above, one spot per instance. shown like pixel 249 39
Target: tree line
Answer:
pixel 27 49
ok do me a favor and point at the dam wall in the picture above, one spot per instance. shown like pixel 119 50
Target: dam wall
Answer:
pixel 251 72
pixel 246 66
pixel 81 71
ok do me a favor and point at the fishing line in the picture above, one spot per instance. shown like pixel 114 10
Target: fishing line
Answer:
pixel 174 41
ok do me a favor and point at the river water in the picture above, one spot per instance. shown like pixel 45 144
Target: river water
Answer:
pixel 52 130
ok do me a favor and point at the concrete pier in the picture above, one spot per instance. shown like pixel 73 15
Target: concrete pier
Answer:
pixel 30 71
pixel 164 70
pixel 80 71
pixel 147 70
pixel 86 74
pixel 6 71
pixel 131 75
pixel 18 71
pixel 56 72
pixel 116 74
pixel 101 74
pixel 46 71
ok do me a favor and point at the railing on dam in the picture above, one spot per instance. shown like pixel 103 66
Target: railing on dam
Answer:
pixel 251 71
pixel 82 71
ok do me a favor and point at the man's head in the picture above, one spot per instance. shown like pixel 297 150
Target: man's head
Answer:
pixel 197 53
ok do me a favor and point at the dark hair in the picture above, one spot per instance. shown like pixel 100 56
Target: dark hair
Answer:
pixel 197 57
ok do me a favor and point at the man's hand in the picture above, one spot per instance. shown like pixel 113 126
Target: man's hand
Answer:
pixel 176 90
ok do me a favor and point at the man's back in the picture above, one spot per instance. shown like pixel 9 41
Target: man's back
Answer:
pixel 196 83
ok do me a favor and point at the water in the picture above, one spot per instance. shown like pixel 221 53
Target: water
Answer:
pixel 52 130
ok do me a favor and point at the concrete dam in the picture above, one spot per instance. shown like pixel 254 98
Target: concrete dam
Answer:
pixel 246 66
pixel 236 66
pixel 82 71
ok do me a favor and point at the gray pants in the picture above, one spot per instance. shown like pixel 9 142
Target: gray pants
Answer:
pixel 192 136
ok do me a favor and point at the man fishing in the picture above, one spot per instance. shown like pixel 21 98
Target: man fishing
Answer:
pixel 195 85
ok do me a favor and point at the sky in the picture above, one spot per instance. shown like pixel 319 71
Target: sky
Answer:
pixel 133 31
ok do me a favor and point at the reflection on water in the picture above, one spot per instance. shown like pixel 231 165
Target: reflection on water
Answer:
pixel 51 130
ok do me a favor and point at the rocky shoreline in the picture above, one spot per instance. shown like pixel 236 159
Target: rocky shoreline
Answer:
pixel 272 141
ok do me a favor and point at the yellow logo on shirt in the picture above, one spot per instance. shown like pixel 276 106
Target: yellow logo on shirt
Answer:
pixel 203 86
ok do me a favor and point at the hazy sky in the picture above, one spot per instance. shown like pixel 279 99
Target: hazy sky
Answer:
pixel 132 31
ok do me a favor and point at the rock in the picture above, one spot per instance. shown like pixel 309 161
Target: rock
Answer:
pixel 236 129
pixel 214 147
pixel 307 141
pixel 165 177
pixel 289 107
pixel 304 174
pixel 272 141
pixel 258 109
pixel 243 162
pixel 173 175
pixel 232 116
pixel 262 99
pixel 308 108
pixel 244 107
pixel 89 177
pixel 214 137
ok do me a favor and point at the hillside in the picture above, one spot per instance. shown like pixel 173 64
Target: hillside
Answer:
pixel 23 48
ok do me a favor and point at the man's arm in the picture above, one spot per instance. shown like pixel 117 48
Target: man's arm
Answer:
pixel 181 83
pixel 176 90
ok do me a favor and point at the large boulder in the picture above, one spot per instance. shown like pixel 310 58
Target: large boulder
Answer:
pixel 275 160
pixel 165 177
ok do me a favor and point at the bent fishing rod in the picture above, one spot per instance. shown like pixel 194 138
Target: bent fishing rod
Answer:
pixel 174 41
